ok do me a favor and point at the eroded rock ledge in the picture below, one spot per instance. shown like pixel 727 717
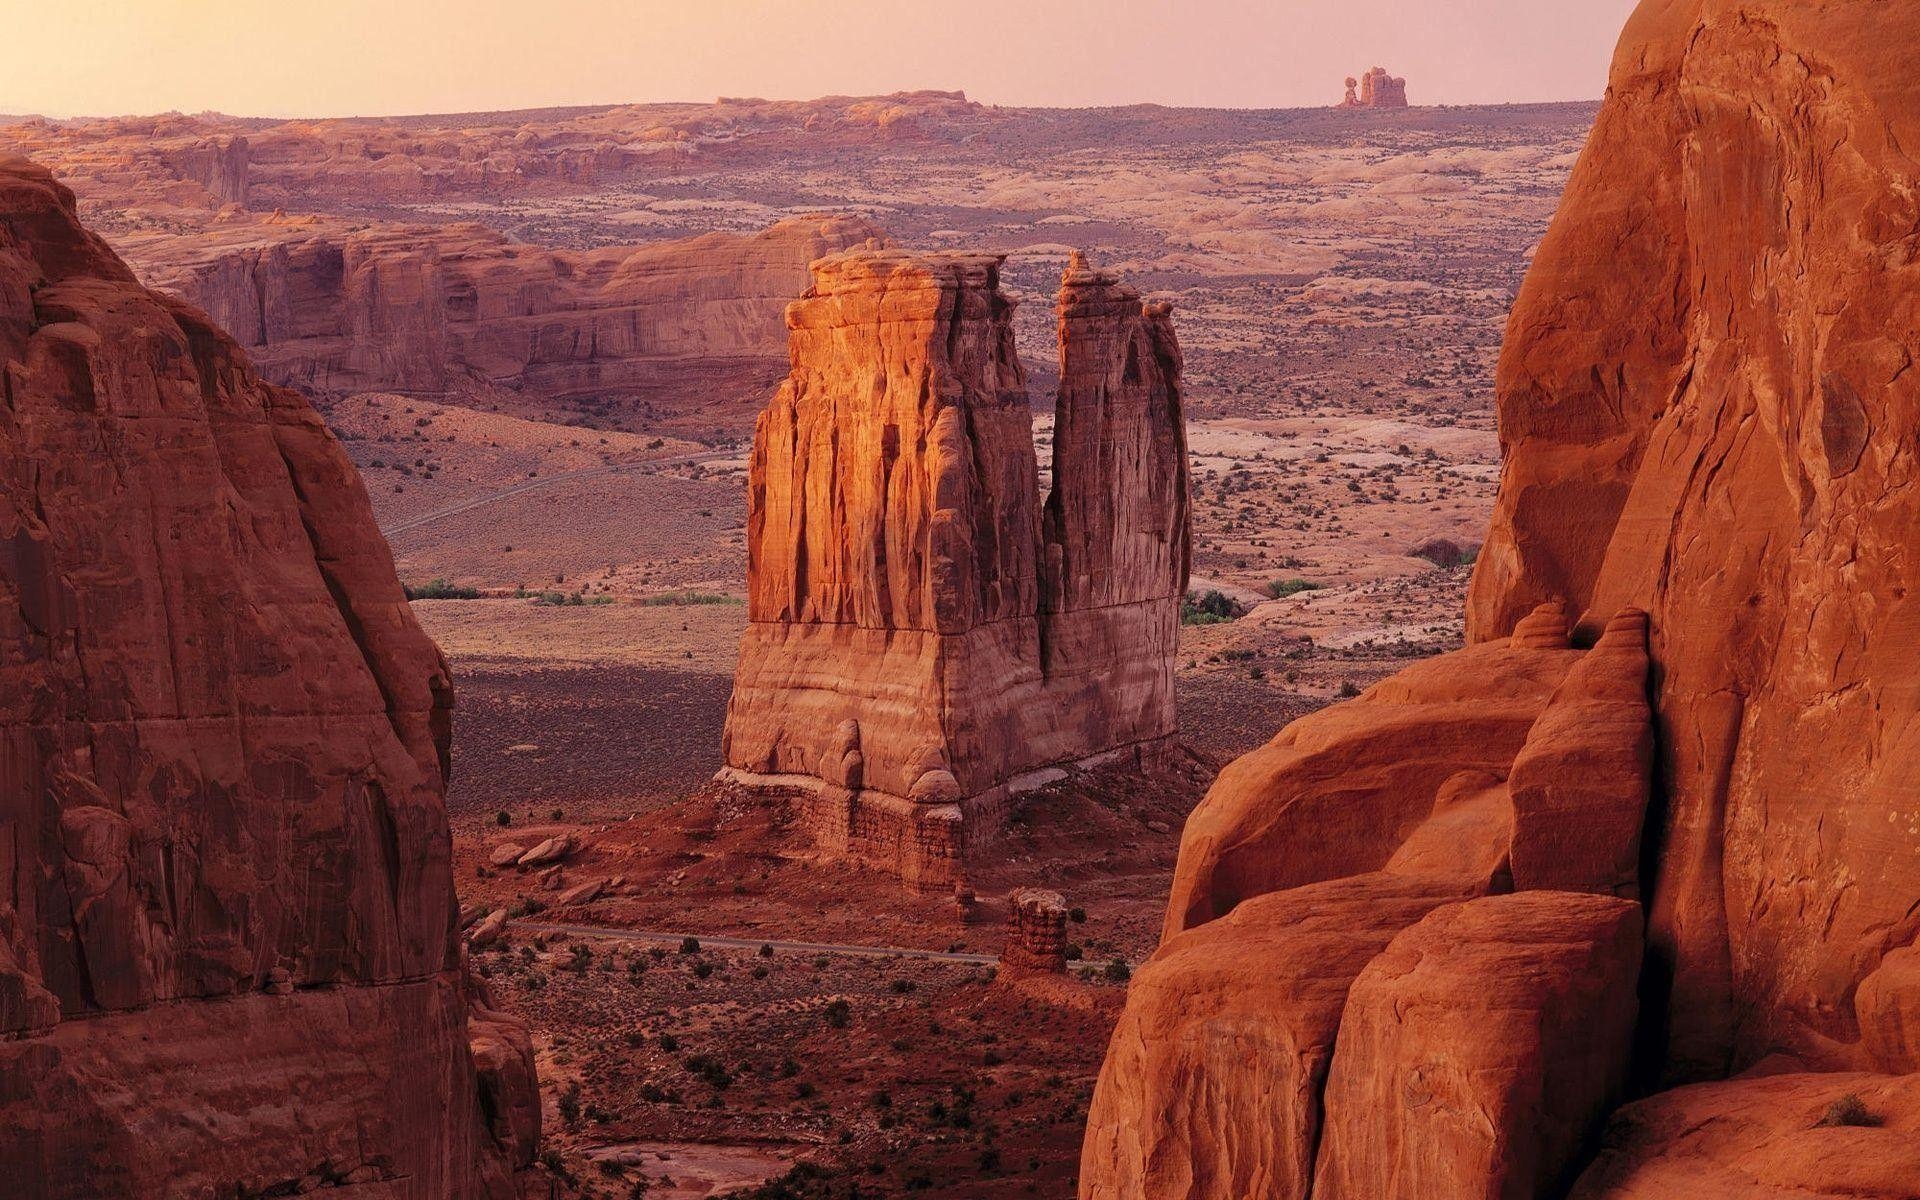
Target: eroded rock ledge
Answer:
pixel 926 634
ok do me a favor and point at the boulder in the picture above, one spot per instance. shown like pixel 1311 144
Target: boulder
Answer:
pixel 488 929
pixel 552 850
pixel 580 893
pixel 1213 1079
pixel 506 854
pixel 1480 1053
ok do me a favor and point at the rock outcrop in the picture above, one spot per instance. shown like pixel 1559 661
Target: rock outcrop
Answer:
pixel 333 308
pixel 1740 468
pixel 1709 416
pixel 926 636
pixel 228 961
pixel 1375 89
pixel 1036 933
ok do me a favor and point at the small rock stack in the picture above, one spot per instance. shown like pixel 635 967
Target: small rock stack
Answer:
pixel 1036 933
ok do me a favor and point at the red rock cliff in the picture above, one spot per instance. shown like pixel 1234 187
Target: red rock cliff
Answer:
pixel 227 952
pixel 923 629
pixel 400 308
pixel 1736 254
pixel 1709 413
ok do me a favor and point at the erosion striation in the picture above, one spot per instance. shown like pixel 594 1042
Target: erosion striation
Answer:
pixel 927 635
pixel 228 964
pixel 1657 824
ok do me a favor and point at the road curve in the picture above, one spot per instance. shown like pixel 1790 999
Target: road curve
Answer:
pixel 399 527
pixel 734 943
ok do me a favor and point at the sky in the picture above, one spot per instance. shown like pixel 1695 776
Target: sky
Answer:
pixel 381 57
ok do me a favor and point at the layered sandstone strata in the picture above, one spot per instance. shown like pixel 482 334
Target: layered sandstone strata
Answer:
pixel 925 633
pixel 227 954
pixel 1709 417
pixel 1036 933
pixel 329 307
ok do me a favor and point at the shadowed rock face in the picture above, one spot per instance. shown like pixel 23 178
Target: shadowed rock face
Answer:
pixel 227 952
pixel 923 629
pixel 1708 408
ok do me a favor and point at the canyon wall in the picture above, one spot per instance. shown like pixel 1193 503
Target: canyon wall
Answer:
pixel 328 308
pixel 1404 945
pixel 227 953
pixel 924 630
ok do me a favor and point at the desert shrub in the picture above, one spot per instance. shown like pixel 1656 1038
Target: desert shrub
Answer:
pixel 441 589
pixel 1117 971
pixel 1077 915
pixel 1850 1110
pixel 503 818
pixel 1280 589
pixel 687 599
pixel 709 1070
pixel 838 1014
pixel 690 945
pixel 669 1043
pixel 1349 689
pixel 569 1103
pixel 1212 608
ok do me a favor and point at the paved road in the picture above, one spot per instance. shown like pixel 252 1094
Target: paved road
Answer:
pixel 651 464
pixel 733 943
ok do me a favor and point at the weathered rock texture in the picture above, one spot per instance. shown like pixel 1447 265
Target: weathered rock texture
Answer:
pixel 926 633
pixel 227 953
pixel 1036 932
pixel 1375 89
pixel 1735 252
pixel 331 308
pixel 1766 1138
pixel 1709 412
pixel 1481 1051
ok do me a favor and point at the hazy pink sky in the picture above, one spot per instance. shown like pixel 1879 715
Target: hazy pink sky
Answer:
pixel 338 57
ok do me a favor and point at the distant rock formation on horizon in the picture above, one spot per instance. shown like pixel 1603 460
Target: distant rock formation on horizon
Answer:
pixel 1375 89
pixel 927 632
pixel 228 961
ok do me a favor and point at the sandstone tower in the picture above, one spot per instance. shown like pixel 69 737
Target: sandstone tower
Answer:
pixel 927 635
pixel 1375 89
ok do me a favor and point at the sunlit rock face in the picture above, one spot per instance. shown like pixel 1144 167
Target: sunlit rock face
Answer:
pixel 927 631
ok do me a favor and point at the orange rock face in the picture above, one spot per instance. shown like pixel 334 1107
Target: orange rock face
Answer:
pixel 227 952
pixel 427 311
pixel 1781 1137
pixel 1740 468
pixel 925 632
pixel 1709 417
pixel 1480 1052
